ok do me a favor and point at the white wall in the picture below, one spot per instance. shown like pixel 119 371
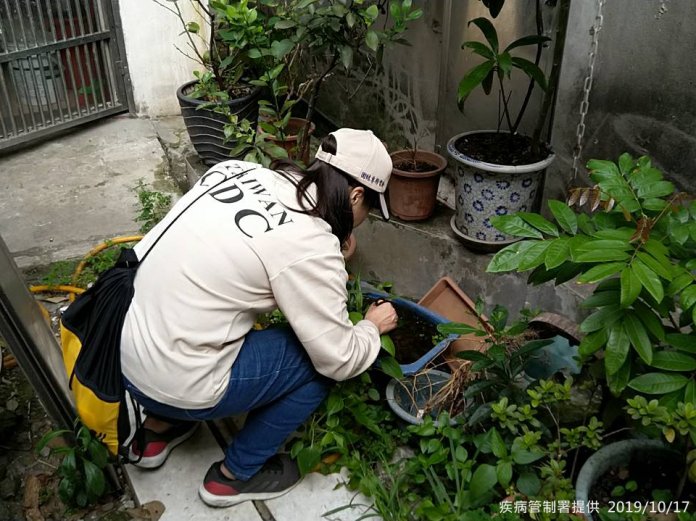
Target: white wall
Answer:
pixel 156 68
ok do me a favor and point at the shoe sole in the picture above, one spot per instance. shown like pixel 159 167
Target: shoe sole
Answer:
pixel 230 501
pixel 154 462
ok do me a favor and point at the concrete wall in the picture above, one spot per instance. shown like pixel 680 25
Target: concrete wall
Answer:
pixel 644 98
pixel 156 68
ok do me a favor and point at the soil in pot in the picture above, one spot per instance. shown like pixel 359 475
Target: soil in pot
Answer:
pixel 417 166
pixel 501 148
pixel 413 337
pixel 651 472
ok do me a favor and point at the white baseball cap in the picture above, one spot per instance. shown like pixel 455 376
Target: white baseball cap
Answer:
pixel 361 155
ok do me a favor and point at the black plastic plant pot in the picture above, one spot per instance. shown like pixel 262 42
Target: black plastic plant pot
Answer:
pixel 206 127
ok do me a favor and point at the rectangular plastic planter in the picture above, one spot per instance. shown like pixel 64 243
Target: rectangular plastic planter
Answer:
pixel 433 318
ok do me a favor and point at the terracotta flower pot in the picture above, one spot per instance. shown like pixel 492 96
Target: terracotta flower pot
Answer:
pixel 295 126
pixel 448 300
pixel 412 195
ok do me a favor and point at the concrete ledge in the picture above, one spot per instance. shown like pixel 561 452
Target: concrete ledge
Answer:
pixel 416 255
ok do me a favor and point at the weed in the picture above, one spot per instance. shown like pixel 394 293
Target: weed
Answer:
pixel 154 205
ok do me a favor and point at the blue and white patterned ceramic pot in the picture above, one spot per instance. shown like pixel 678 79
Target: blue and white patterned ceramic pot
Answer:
pixel 486 190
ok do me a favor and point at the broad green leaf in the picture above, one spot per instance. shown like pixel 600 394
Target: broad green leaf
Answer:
pixel 372 12
pixel 49 436
pixel 534 256
pixel 682 342
pixel 488 31
pixel 539 223
pixel 649 320
pixel 388 344
pixel 355 317
pixel 532 70
pixel 94 476
pixel 558 253
pixel 679 284
pixel 347 56
pixel 617 348
pixel 690 393
pixel 564 216
pixel 602 318
pixel 480 49
pixel 505 63
pixel 593 342
pixel 601 170
pixel 620 234
pixel 605 244
pixel 654 265
pixel 602 256
pixel 655 190
pixel 508 259
pixel 391 367
pixel 513 225
pixel 497 444
pixel 688 297
pixel 618 381
pixel 626 164
pixel 601 272
pixel 99 453
pixel 475 356
pixel 472 79
pixel 528 483
pixel 649 279
pixel 456 328
pixel 600 299
pixel 485 477
pixel 528 40
pixel 372 39
pixel 281 48
pixel 673 361
pixel 658 383
pixel 504 472
pixel 285 24
pixel 638 337
pixel 525 457
pixel 576 243
pixel 308 459
pixel 630 287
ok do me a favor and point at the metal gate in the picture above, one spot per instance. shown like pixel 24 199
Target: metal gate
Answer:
pixel 59 66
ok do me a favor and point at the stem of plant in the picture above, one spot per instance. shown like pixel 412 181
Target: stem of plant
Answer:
pixel 303 138
pixel 537 60
pixel 561 32
pixel 505 103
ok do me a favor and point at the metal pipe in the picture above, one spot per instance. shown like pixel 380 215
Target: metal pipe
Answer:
pixel 31 70
pixel 61 20
pixel 95 51
pixel 42 71
pixel 50 55
pixel 14 80
pixel 110 74
pixel 9 108
pixel 444 69
pixel 80 52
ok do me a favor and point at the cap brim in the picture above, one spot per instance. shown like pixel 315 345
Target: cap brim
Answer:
pixel 383 207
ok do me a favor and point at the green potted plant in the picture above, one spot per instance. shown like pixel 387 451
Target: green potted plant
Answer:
pixel 415 180
pixel 311 41
pixel 222 88
pixel 500 170
pixel 638 244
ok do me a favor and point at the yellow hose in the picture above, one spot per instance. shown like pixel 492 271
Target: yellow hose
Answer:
pixel 97 249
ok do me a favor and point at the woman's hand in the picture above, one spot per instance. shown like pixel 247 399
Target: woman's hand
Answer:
pixel 383 316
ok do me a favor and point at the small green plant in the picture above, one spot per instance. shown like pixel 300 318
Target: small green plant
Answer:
pixel 154 205
pixel 60 273
pixel 499 65
pixel 82 469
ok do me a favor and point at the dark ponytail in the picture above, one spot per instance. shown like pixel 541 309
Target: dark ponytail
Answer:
pixel 332 189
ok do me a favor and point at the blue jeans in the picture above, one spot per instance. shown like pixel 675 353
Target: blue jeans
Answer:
pixel 272 378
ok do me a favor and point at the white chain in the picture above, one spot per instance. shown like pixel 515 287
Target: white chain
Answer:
pixel 587 87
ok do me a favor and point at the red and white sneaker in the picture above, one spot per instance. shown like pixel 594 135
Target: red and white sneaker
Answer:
pixel 158 446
